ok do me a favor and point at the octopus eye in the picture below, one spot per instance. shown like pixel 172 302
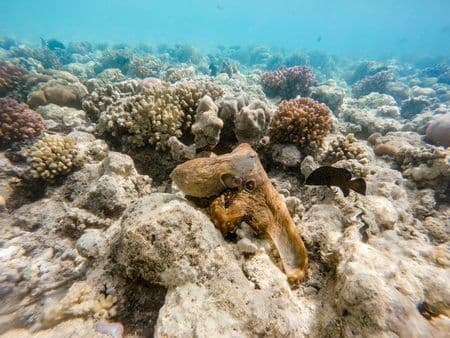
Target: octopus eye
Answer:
pixel 250 185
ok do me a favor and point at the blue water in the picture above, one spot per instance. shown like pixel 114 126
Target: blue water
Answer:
pixel 363 28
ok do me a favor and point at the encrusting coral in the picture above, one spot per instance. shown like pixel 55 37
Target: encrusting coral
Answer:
pixel 52 156
pixel 18 122
pixel 303 121
pixel 288 82
pixel 246 194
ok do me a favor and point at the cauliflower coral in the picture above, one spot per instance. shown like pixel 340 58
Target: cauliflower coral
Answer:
pixel 18 122
pixel 52 156
pixel 303 121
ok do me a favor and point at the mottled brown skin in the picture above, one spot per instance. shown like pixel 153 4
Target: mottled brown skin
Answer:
pixel 251 198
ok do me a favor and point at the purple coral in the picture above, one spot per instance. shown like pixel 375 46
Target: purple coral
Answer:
pixel 372 83
pixel 18 122
pixel 10 77
pixel 288 82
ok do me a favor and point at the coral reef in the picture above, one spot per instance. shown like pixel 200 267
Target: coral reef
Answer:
pixel 156 113
pixel 61 88
pixel 207 125
pixel 438 130
pixel 345 148
pixel 413 106
pixel 90 246
pixel 102 96
pixel 18 122
pixel 11 79
pixel 330 94
pixel 303 122
pixel 288 82
pixel 373 83
pixel 371 113
pixel 52 156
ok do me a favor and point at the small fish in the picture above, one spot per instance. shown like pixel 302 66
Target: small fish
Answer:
pixel 213 69
pixel 319 38
pixel 338 177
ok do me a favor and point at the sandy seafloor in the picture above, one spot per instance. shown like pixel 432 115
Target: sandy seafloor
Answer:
pixel 96 241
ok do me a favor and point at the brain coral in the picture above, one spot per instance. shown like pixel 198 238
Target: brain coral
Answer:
pixel 52 156
pixel 288 82
pixel 300 121
pixel 18 122
pixel 156 113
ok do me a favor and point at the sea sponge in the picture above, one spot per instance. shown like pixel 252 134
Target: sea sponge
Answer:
pixel 303 121
pixel 52 156
pixel 373 83
pixel 345 148
pixel 288 82
pixel 18 122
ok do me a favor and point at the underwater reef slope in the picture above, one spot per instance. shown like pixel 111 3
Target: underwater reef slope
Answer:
pixel 97 239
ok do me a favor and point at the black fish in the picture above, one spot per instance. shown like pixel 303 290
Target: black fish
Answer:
pixel 213 69
pixel 338 177
pixel 52 44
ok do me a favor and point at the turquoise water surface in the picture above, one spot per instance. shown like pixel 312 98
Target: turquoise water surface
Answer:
pixel 382 28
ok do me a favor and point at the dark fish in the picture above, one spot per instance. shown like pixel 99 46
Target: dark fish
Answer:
pixel 339 177
pixel 213 69
pixel 319 38
pixel 52 44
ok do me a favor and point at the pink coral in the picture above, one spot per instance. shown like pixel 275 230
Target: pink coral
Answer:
pixel 301 121
pixel 288 82
pixel 18 122
pixel 10 77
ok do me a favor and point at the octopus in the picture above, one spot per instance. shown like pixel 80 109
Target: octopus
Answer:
pixel 239 190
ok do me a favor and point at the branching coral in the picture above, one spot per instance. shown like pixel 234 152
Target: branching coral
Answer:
pixel 52 156
pixel 373 83
pixel 345 148
pixel 288 82
pixel 303 121
pixel 18 122
pixel 156 113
